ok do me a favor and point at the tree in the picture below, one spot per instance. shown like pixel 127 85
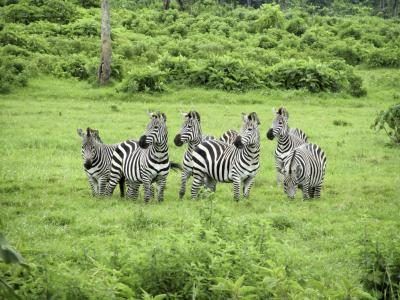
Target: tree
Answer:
pixel 106 51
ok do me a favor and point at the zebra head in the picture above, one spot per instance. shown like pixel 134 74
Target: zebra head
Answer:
pixel 191 129
pixel 156 131
pixel 280 124
pixel 292 171
pixel 249 134
pixel 89 141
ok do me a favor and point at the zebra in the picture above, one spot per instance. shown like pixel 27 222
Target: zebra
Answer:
pixel 237 163
pixel 145 164
pixel 191 134
pixel 304 167
pixel 97 161
pixel 288 139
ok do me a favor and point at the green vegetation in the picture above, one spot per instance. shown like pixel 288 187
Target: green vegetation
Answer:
pixel 345 245
pixel 208 45
pixel 389 121
pixel 322 60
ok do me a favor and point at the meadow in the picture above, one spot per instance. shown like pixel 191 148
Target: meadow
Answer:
pixel 265 247
pixel 333 65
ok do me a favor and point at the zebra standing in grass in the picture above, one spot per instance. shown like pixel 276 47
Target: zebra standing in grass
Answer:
pixel 144 165
pixel 237 163
pixel 304 167
pixel 288 139
pixel 191 134
pixel 97 161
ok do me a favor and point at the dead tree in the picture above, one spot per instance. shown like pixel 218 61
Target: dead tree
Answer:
pixel 106 51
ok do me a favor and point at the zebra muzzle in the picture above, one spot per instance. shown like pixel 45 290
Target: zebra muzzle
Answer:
pixel 143 143
pixel 87 164
pixel 238 142
pixel 178 141
pixel 270 134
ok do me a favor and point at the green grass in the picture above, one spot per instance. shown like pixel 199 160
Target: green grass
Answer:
pixel 81 247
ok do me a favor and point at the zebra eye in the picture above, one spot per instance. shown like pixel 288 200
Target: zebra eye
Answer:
pixel 280 122
pixel 155 127
pixel 250 129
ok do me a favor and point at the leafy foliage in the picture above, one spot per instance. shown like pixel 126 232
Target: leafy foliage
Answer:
pixel 13 73
pixel 144 80
pixel 389 121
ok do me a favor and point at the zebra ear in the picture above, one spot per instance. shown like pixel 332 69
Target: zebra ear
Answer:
pixel 80 132
pixel 274 111
pixel 244 117
pixel 150 114
pixel 164 116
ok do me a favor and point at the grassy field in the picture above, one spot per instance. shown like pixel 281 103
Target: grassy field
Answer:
pixel 266 247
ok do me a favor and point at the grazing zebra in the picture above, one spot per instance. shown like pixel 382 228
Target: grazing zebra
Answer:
pixel 191 134
pixel 288 139
pixel 237 163
pixel 304 167
pixel 145 164
pixel 97 161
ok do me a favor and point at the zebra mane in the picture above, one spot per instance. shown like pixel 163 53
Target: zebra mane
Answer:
pixel 253 118
pixel 158 115
pixel 283 112
pixel 193 115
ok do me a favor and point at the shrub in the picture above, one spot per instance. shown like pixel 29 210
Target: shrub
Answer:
pixel 351 54
pixel 75 66
pixel 267 42
pixel 350 30
pixel 226 73
pixel 88 3
pixel 178 68
pixel 144 80
pixel 389 121
pixel 297 26
pixel 58 11
pixel 381 264
pixel 21 13
pixel 271 16
pixel 85 27
pixel 12 73
pixel 385 57
pixel 315 77
pixel 14 51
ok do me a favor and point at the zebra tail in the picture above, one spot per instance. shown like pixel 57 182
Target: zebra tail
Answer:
pixel 174 165
pixel 122 186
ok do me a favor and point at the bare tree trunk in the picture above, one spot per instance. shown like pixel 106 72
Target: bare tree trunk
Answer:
pixel 181 5
pixel 248 3
pixel 106 51
pixel 395 7
pixel 166 4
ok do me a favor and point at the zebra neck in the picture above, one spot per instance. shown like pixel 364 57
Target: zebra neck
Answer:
pixel 158 150
pixel 193 144
pixel 283 140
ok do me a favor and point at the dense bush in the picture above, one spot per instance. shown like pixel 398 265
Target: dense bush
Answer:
pixel 13 73
pixel 389 121
pixel 384 58
pixel 226 73
pixel 315 77
pixel 143 80
pixel 75 66
pixel 271 16
pixel 351 53
pixel 297 26
pixel 177 68
pixel 381 266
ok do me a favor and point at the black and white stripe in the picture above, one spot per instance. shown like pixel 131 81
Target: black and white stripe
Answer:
pixel 191 134
pixel 288 139
pixel 97 161
pixel 145 164
pixel 223 162
pixel 304 167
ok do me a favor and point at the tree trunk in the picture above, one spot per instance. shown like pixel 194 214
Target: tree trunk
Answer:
pixel 106 52
pixel 395 7
pixel 166 4
pixel 248 3
pixel 181 5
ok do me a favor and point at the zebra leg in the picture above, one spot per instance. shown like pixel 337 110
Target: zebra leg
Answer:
pixel 306 191
pixel 102 184
pixel 317 191
pixel 161 181
pixel 115 178
pixel 147 190
pixel 185 175
pixel 197 183
pixel 279 175
pixel 93 186
pixel 210 183
pixel 247 184
pixel 133 190
pixel 236 189
pixel 122 186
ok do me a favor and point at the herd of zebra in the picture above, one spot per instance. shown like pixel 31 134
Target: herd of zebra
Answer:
pixel 234 157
